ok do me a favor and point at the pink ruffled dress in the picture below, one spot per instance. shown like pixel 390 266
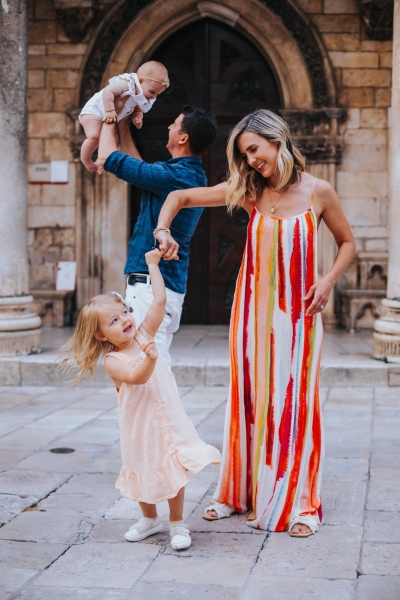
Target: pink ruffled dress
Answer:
pixel 159 443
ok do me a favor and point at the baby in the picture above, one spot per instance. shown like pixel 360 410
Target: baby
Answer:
pixel 137 91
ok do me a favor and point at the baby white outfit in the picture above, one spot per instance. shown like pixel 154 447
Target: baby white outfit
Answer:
pixel 95 105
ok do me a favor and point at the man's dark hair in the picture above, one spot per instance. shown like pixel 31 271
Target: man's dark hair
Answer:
pixel 201 127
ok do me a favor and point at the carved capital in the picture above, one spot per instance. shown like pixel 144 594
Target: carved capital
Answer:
pixel 75 144
pixel 378 18
pixel 315 133
pixel 75 17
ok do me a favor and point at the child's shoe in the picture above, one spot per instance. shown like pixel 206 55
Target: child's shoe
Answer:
pixel 180 535
pixel 143 528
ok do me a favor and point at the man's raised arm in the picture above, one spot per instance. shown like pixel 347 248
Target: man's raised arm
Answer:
pixel 126 143
pixel 107 143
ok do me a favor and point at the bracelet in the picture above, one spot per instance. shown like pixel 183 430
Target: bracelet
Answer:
pixel 157 229
pixel 161 228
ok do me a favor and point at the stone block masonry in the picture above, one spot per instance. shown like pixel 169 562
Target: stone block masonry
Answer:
pixel 362 70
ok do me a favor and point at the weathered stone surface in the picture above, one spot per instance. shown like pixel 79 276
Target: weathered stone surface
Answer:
pixel 112 566
pixel 347 445
pixel 227 572
pixel 384 490
pixel 382 527
pixel 29 555
pixel 333 553
pixel 372 587
pixel 262 587
pixel 36 592
pixel 168 590
pixel 12 579
pixel 28 483
pixel 380 559
pixel 217 544
pixel 343 502
pixel 37 526
pixel 234 524
pixel 113 530
pixel 62 463
pixel 345 469
pixel 12 505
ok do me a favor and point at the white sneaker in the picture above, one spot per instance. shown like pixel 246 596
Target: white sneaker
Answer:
pixel 180 535
pixel 143 528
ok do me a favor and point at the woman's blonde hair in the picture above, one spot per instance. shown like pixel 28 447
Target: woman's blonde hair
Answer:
pixel 84 350
pixel 246 182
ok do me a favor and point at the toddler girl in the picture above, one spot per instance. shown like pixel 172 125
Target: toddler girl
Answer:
pixel 159 443
pixel 137 91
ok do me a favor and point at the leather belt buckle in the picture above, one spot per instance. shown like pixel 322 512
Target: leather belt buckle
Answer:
pixel 138 278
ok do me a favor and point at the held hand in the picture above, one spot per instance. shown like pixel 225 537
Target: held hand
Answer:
pixel 137 119
pixel 110 117
pixel 168 246
pixel 150 350
pixel 319 292
pixel 153 257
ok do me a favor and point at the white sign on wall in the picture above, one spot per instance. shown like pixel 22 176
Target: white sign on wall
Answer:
pixel 56 171
pixel 66 276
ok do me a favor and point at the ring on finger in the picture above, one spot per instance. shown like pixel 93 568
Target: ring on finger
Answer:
pixel 321 306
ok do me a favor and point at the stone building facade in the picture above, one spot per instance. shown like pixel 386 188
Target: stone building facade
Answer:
pixel 332 60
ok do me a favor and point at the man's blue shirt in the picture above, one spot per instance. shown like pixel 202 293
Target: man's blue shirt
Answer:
pixel 157 180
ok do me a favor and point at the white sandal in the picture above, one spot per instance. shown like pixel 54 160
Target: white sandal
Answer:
pixel 222 511
pixel 311 522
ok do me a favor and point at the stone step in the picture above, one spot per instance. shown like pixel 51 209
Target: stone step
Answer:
pixel 41 369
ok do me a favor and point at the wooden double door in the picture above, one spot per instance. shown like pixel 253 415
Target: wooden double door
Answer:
pixel 215 67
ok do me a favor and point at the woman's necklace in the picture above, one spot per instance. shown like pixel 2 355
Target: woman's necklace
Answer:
pixel 272 209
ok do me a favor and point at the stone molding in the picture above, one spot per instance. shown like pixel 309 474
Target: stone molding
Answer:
pixel 19 326
pixel 74 18
pixel 304 34
pixel 378 18
pixel 387 332
pixel 315 133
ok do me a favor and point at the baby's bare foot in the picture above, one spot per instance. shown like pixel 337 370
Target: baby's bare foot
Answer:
pixel 91 166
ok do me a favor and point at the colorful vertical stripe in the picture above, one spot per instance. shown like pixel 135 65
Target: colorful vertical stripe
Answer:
pixel 273 442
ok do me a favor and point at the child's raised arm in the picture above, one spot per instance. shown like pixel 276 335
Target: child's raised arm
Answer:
pixel 156 312
pixel 110 91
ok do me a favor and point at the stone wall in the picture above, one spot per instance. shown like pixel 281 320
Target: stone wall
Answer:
pixel 362 69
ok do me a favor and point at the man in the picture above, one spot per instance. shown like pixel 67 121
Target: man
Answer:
pixel 191 134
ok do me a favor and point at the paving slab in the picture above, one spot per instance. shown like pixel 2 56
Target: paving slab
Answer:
pixel 113 530
pixel 29 555
pixel 380 559
pixel 83 504
pixel 221 544
pixel 72 593
pixel 112 566
pixel 234 524
pixel 382 527
pixel 12 505
pixel 343 502
pixel 268 587
pixel 385 453
pixel 31 483
pixel 345 469
pixel 38 526
pixel 332 553
pixel 168 590
pixel 384 489
pixel 99 432
pixel 130 510
pixel 12 579
pixel 50 461
pixel 375 587
pixel 223 571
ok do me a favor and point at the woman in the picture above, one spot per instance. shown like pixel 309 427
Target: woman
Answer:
pixel 273 442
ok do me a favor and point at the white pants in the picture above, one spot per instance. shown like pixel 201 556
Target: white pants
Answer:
pixel 140 296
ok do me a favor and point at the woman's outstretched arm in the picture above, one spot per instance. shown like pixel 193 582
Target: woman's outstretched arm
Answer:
pixel 207 197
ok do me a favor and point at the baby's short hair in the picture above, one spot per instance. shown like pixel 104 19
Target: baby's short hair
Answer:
pixel 155 71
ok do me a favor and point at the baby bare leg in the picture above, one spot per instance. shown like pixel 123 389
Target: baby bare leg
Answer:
pixel 92 126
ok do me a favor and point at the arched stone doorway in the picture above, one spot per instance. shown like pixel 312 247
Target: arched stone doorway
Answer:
pixel 216 67
pixel 133 31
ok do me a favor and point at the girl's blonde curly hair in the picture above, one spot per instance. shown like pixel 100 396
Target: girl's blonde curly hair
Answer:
pixel 244 182
pixel 84 350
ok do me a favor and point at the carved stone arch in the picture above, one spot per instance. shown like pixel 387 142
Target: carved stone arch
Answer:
pixel 130 33
pixel 281 31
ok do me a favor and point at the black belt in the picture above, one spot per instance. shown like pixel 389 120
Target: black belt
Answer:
pixel 138 278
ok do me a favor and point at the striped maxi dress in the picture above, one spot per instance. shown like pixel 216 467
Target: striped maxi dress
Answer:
pixel 273 440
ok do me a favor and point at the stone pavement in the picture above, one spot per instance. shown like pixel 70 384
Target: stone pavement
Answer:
pixel 64 521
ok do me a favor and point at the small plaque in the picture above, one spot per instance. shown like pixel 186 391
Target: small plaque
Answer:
pixel 66 276
pixel 59 171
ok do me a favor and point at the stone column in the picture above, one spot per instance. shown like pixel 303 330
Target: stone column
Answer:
pixel 19 325
pixel 387 328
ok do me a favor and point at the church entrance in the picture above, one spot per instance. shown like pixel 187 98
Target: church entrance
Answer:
pixel 213 66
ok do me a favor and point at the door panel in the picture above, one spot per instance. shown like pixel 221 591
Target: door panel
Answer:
pixel 213 66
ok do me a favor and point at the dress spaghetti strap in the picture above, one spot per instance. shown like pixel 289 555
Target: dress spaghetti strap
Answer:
pixel 312 194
